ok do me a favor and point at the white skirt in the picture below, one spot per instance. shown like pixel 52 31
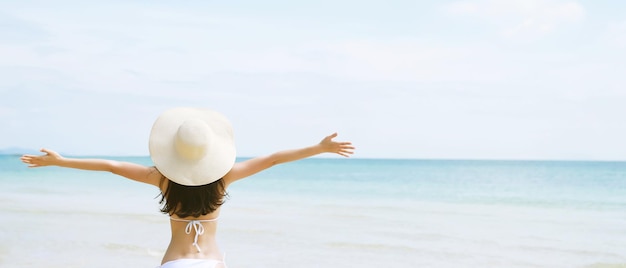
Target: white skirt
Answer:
pixel 193 263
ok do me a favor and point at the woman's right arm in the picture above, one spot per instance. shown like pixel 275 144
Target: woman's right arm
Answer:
pixel 129 170
pixel 252 166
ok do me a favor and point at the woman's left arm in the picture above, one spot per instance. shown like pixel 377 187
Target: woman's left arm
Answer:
pixel 129 170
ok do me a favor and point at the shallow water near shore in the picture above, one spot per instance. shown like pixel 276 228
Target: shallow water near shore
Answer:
pixel 333 213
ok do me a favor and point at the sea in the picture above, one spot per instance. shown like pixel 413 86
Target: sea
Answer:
pixel 330 212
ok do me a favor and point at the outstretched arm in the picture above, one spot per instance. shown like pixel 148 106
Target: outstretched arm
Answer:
pixel 129 170
pixel 249 167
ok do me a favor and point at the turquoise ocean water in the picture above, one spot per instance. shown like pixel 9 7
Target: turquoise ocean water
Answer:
pixel 333 213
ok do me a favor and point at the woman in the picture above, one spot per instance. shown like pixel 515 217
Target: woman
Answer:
pixel 193 153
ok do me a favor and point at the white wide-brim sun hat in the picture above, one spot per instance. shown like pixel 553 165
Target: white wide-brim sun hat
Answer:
pixel 192 146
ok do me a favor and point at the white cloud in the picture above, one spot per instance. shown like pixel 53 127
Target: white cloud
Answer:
pixel 403 60
pixel 6 111
pixel 521 19
pixel 616 34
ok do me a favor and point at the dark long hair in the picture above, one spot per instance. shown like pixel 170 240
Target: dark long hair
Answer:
pixel 192 201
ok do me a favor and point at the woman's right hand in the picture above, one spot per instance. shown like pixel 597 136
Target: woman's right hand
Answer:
pixel 50 158
pixel 343 148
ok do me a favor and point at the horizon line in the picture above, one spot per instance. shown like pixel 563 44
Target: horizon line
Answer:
pixel 363 158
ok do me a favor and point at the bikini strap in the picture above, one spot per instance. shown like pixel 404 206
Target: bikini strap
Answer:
pixel 197 226
pixel 209 220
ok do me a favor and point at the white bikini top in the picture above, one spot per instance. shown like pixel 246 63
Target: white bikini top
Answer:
pixel 197 227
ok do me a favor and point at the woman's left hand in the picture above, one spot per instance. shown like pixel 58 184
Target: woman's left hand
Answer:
pixel 50 158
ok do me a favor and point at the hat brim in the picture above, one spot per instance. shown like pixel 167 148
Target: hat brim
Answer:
pixel 216 163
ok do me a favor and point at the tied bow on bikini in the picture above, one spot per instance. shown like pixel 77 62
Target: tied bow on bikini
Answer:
pixel 197 226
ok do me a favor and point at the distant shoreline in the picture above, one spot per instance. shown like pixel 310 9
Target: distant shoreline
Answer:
pixel 358 158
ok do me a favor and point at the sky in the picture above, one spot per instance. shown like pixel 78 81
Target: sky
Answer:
pixel 474 79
